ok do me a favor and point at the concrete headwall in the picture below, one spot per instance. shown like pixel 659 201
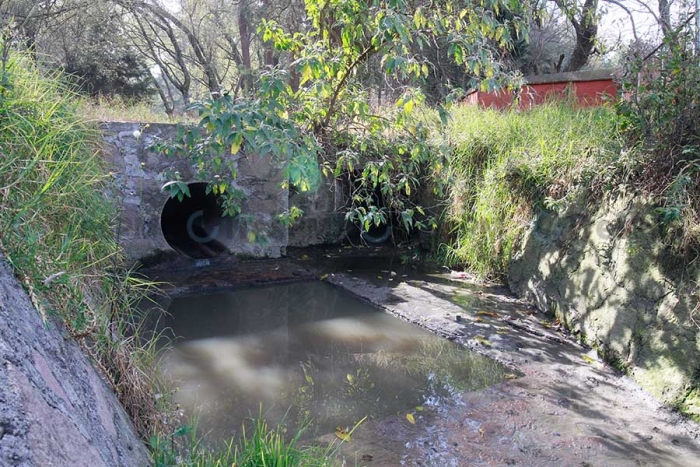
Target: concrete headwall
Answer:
pixel 55 409
pixel 609 276
pixel 323 221
pixel 139 176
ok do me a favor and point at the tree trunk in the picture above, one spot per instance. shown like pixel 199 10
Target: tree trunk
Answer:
pixel 268 51
pixel 586 28
pixel 167 103
pixel 665 17
pixel 244 31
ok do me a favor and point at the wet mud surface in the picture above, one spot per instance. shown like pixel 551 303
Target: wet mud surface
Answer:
pixel 562 406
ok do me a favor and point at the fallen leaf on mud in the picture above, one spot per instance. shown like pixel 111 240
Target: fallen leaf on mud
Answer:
pixel 588 359
pixel 479 319
pixel 305 257
pixel 419 408
pixel 487 313
pixel 350 378
pixel 323 277
pixel 510 376
pixel 502 331
pixel 342 434
pixel 410 418
pixel 481 432
pixel 482 340
pixel 380 277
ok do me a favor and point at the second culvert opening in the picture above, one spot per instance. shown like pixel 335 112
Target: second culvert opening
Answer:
pixel 196 226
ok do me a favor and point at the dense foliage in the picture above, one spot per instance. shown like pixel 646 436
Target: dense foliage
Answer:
pixel 509 166
pixel 660 120
pixel 323 118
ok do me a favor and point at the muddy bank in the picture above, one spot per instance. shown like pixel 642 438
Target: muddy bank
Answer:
pixel 609 277
pixel 567 409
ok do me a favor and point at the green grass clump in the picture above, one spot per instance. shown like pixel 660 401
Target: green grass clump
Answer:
pixel 506 166
pixel 56 229
pixel 265 446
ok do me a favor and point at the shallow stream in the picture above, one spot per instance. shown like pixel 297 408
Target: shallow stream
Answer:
pixel 308 354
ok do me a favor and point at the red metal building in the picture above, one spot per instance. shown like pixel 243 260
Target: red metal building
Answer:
pixel 591 88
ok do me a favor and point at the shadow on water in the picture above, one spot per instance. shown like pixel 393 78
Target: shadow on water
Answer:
pixel 308 352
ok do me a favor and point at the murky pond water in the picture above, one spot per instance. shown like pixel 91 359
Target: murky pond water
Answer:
pixel 307 352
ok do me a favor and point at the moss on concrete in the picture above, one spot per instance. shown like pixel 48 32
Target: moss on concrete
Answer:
pixel 605 274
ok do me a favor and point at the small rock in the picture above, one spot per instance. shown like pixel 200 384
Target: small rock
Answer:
pixel 458 318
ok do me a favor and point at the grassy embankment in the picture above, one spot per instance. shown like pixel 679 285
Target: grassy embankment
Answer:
pixel 506 166
pixel 57 230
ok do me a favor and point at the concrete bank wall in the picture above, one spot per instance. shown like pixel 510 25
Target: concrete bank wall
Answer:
pixel 608 276
pixel 55 409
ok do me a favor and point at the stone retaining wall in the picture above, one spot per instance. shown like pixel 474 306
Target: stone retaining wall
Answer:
pixel 609 277
pixel 323 222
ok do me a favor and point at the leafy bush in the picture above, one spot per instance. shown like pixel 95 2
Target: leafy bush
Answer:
pixel 660 118
pixel 506 166
pixel 311 109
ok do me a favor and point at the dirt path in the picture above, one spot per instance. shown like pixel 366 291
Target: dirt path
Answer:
pixel 567 408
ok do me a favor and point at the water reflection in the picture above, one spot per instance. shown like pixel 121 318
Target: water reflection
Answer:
pixel 307 351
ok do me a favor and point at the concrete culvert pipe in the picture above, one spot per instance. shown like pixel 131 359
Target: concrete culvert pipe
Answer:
pixel 196 226
pixel 377 234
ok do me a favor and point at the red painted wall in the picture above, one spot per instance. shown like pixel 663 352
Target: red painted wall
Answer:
pixel 588 94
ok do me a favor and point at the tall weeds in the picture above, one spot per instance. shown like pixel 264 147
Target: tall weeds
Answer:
pixel 505 166
pixel 56 230
pixel 261 445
